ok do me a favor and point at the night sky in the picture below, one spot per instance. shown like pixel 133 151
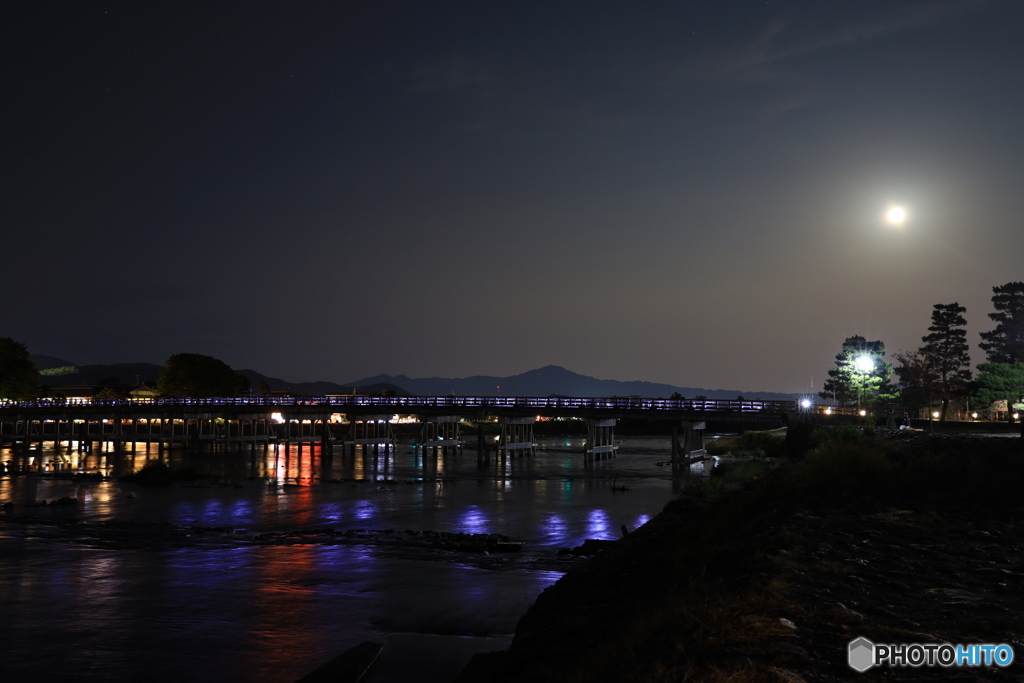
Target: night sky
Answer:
pixel 691 193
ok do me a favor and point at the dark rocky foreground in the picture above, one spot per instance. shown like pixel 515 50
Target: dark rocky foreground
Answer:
pixel 914 538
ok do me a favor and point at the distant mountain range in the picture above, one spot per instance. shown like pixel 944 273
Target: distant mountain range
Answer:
pixel 61 373
pixel 547 381
pixel 555 380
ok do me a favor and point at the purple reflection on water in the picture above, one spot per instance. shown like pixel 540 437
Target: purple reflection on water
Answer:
pixel 555 528
pixel 186 512
pixel 597 523
pixel 473 521
pixel 242 510
pixel 348 558
pixel 211 508
pixel 364 509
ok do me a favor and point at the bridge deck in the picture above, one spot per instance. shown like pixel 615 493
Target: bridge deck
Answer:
pixel 256 407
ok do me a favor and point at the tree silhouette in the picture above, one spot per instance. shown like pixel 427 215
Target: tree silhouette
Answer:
pixel 1005 344
pixel 19 378
pixel 947 353
pixel 1002 382
pixel 197 376
pixel 860 375
pixel 917 378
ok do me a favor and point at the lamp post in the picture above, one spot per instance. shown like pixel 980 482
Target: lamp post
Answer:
pixel 864 365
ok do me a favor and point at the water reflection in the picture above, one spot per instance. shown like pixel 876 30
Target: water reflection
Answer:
pixel 597 524
pixel 554 527
pixel 283 612
pixel 473 521
pixel 365 510
pixel 274 613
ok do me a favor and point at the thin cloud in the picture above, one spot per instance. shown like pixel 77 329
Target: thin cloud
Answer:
pixel 902 19
pixel 778 43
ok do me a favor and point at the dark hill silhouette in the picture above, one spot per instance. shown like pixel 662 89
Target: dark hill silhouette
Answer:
pixel 147 373
pixel 88 375
pixel 48 362
pixel 320 388
pixel 555 380
pixel 547 381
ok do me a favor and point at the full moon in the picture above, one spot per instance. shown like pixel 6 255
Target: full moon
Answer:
pixel 896 215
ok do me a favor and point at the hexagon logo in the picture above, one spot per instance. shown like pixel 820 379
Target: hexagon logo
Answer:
pixel 862 654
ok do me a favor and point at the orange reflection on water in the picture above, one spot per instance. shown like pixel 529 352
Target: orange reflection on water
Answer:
pixel 284 610
pixel 293 463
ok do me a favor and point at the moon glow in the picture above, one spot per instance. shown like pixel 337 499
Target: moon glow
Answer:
pixel 896 215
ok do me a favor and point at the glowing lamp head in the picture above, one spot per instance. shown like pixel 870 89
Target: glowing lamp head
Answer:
pixel 806 403
pixel 935 414
pixel 863 413
pixel 896 215
pixel 864 363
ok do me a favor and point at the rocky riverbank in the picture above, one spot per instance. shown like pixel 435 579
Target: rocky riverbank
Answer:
pixel 768 572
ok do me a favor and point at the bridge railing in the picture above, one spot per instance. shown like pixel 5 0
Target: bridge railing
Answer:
pixel 409 404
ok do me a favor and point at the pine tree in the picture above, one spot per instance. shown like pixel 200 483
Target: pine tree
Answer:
pixel 1002 382
pixel 198 376
pixel 948 356
pixel 917 378
pixel 19 378
pixel 860 376
pixel 1005 344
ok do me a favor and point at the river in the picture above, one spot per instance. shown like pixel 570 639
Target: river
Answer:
pixel 112 599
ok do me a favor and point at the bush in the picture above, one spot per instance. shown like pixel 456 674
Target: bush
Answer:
pixel 158 472
pixel 751 444
pixel 722 446
pixel 838 466
pixel 770 444
pixel 151 473
pixel 849 434
pixel 740 471
pixel 801 439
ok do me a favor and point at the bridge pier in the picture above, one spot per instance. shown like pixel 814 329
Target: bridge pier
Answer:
pixel 693 439
pixel 376 430
pixel 516 435
pixel 326 438
pixel 690 450
pixel 440 432
pixel 600 440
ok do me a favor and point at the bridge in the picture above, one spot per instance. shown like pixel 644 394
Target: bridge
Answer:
pixel 253 420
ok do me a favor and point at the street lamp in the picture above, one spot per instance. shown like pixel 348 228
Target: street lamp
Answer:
pixel 864 365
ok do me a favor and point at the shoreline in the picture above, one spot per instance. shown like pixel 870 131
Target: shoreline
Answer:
pixel 908 538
